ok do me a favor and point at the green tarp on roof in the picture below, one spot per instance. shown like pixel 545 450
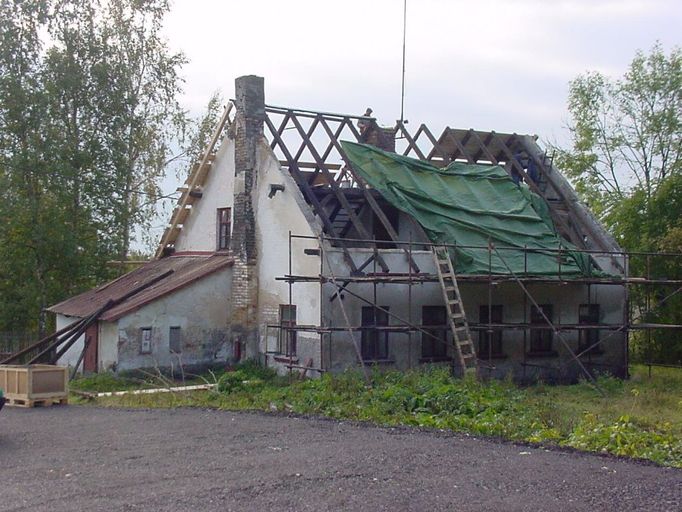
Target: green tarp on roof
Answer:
pixel 470 205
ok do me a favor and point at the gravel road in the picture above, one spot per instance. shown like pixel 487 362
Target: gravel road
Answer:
pixel 71 458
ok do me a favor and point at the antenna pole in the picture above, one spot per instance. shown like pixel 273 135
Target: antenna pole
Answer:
pixel 402 90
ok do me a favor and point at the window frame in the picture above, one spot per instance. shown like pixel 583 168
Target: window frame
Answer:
pixel 171 330
pixel 143 331
pixel 588 337
pixel 374 343
pixel 490 343
pixel 223 228
pixel 287 339
pixel 541 340
pixel 431 349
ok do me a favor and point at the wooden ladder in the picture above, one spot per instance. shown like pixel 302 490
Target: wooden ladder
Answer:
pixel 459 326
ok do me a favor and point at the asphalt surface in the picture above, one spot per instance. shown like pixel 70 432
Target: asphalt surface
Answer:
pixel 70 458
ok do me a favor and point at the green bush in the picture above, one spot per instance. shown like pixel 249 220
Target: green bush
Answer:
pixel 626 438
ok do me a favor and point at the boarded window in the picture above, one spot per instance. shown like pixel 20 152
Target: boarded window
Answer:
pixel 175 340
pixel 490 339
pixel 287 336
pixel 223 223
pixel 588 314
pixel 435 323
pixel 541 338
pixel 374 341
pixel 146 340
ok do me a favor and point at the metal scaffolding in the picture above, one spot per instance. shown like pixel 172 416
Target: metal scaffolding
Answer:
pixel 584 357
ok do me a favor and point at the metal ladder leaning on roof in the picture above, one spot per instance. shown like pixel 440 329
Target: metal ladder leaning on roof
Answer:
pixel 457 320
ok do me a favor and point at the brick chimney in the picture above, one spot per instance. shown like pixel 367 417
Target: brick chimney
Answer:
pixel 250 115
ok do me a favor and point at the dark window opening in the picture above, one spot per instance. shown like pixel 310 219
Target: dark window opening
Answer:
pixel 224 220
pixel 379 231
pixel 434 322
pixel 374 342
pixel 286 343
pixel 146 340
pixel 175 340
pixel 541 339
pixel 588 314
pixel 490 340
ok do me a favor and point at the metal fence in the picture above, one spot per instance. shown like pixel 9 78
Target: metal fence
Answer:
pixel 12 341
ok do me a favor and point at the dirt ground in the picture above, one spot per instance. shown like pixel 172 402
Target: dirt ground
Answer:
pixel 70 458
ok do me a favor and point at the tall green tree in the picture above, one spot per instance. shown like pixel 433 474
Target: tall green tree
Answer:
pixel 625 133
pixel 625 159
pixel 88 112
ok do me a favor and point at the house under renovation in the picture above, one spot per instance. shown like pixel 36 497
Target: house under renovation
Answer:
pixel 318 242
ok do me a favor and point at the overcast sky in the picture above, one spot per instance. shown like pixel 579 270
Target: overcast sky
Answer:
pixel 485 64
pixel 500 65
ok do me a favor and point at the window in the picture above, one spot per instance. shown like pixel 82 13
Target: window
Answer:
pixel 146 340
pixel 224 218
pixel 286 343
pixel 435 322
pixel 490 343
pixel 374 343
pixel 588 314
pixel 541 339
pixel 175 340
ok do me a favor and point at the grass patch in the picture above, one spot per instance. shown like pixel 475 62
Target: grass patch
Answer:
pixel 640 418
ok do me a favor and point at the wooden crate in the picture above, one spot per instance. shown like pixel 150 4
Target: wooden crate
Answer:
pixel 35 384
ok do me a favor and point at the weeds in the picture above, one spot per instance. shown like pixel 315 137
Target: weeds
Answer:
pixel 638 418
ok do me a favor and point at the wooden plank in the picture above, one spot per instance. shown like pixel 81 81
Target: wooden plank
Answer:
pixel 373 204
pixel 335 187
pixel 307 191
pixel 436 146
pixel 195 179
pixel 310 165
pixel 411 143
pixel 43 402
pixel 182 215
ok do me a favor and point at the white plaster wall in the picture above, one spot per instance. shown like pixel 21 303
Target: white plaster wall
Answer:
pixel 108 346
pixel 107 338
pixel 200 309
pixel 71 355
pixel 275 217
pixel 405 350
pixel 200 230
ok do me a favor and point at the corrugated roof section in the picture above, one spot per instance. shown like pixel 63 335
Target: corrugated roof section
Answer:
pixel 181 271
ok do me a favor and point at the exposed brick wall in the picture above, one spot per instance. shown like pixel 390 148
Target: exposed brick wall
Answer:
pixel 383 138
pixel 250 104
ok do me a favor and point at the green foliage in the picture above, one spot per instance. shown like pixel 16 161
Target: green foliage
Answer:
pixel 105 382
pixel 626 438
pixel 88 111
pixel 626 133
pixel 626 163
pixel 638 418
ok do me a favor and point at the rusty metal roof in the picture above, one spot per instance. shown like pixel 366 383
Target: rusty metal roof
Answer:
pixel 181 271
